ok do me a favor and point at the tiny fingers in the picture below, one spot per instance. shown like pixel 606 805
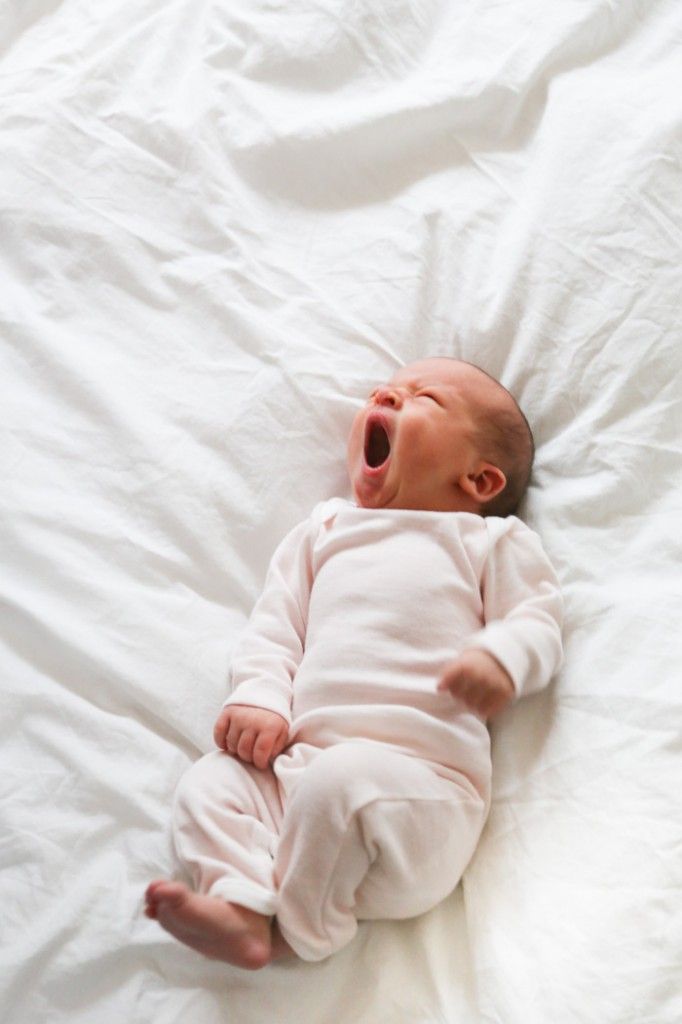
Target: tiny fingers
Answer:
pixel 282 740
pixel 280 743
pixel 468 694
pixel 269 744
pixel 232 735
pixel 245 744
pixel 262 751
pixel 254 735
pixel 453 680
pixel 483 700
pixel 458 682
pixel 220 729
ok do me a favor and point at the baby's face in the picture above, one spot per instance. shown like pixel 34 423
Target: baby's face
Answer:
pixel 414 445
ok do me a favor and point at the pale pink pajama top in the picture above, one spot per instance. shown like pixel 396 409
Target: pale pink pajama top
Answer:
pixel 363 608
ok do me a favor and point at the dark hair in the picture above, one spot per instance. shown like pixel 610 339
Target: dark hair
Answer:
pixel 505 439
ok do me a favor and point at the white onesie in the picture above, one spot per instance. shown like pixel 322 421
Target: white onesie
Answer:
pixel 376 805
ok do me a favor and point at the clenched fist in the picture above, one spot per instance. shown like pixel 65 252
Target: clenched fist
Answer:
pixel 253 735
pixel 480 681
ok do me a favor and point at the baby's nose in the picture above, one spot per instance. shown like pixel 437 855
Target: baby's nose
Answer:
pixel 388 396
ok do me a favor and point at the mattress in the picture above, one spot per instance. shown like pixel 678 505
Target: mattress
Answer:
pixel 222 224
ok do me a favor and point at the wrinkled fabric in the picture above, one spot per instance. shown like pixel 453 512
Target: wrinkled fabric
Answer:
pixel 327 837
pixel 219 225
pixel 364 608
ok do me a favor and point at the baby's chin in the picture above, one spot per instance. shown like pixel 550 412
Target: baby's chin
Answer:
pixel 394 492
pixel 367 494
pixel 372 501
pixel 378 499
pixel 367 499
pixel 412 503
pixel 374 495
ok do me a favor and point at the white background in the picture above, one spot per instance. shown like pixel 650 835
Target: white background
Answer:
pixel 220 225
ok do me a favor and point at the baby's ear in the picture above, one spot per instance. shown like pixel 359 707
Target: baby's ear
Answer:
pixel 485 484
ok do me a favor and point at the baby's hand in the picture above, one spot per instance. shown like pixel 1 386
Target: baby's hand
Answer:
pixel 252 734
pixel 480 681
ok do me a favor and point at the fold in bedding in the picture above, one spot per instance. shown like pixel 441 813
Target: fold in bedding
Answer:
pixel 222 224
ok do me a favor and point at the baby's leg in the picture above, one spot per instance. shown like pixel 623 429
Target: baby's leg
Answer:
pixel 226 817
pixel 369 833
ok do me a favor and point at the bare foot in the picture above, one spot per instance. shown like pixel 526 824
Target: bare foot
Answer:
pixel 219 930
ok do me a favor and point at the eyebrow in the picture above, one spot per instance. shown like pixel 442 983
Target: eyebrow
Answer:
pixel 416 382
pixel 419 383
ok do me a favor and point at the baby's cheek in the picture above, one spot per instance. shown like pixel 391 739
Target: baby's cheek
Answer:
pixel 355 439
pixel 425 441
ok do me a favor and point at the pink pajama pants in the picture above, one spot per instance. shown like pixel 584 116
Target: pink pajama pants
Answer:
pixel 327 837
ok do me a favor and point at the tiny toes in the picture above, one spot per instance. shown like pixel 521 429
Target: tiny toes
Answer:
pixel 171 895
pixel 159 892
pixel 152 887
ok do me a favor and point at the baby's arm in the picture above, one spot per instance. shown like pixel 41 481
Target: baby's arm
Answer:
pixel 254 721
pixel 519 648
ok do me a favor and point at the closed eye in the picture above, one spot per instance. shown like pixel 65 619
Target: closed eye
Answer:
pixel 428 394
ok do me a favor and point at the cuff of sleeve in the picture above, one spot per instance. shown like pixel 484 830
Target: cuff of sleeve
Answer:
pixel 512 656
pixel 260 695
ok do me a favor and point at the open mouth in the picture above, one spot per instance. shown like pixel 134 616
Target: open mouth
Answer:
pixel 377 444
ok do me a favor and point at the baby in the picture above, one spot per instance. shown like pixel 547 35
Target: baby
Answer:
pixel 353 779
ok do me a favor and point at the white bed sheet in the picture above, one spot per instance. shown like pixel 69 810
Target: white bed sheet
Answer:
pixel 220 223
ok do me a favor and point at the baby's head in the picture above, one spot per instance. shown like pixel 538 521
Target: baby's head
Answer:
pixel 442 435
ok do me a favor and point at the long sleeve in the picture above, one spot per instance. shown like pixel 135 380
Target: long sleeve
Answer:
pixel 268 653
pixel 522 607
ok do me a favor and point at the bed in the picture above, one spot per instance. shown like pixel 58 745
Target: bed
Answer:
pixel 221 224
